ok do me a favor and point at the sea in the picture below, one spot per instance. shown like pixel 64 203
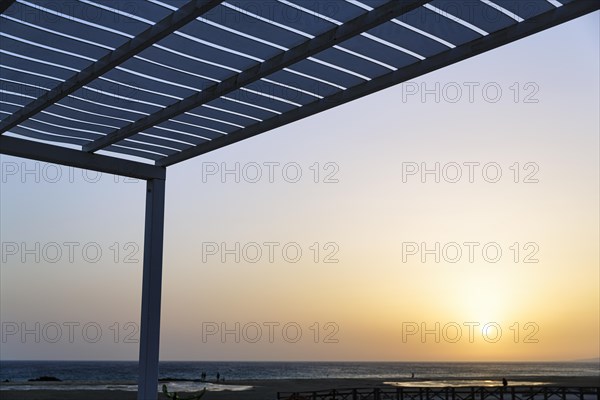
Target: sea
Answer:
pixel 185 375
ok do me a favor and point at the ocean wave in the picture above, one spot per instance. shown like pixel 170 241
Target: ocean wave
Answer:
pixel 128 387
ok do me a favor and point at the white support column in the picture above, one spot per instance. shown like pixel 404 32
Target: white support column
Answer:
pixel 151 290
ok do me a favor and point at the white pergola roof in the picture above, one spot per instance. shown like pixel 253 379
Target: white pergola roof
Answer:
pixel 165 81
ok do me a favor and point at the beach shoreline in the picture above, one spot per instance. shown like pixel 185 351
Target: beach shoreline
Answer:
pixel 267 389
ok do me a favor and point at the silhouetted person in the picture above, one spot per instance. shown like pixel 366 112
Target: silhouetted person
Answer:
pixel 412 375
pixel 504 382
pixel 218 376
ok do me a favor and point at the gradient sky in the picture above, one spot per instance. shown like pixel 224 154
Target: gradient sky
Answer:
pixel 370 296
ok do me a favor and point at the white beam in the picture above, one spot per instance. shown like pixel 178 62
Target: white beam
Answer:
pixel 151 290
pixel 76 158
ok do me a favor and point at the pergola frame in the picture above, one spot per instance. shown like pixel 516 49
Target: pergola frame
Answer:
pixel 153 237
pixel 155 175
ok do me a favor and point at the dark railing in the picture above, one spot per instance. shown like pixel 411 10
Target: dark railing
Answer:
pixel 449 393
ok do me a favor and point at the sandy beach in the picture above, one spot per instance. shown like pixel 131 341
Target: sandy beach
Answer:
pixel 264 389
